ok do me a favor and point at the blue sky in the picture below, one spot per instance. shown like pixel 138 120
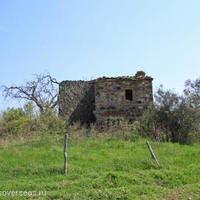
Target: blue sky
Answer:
pixel 85 39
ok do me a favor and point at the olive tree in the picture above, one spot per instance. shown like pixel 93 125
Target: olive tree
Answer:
pixel 171 118
pixel 192 92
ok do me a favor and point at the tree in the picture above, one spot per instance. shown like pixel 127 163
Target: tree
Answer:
pixel 166 99
pixel 192 92
pixel 171 118
pixel 43 91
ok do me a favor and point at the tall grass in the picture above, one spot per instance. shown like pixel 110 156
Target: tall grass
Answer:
pixel 102 167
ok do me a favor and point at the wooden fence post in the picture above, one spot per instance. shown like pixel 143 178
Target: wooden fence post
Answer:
pixel 65 153
pixel 152 154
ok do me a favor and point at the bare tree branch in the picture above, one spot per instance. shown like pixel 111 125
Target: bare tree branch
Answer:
pixel 43 91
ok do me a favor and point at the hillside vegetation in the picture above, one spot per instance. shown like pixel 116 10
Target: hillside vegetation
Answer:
pixel 113 164
pixel 99 169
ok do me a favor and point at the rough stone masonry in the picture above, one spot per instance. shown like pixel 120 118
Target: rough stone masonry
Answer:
pixel 103 99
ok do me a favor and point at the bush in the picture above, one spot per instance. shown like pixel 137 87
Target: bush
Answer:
pixel 26 120
pixel 50 122
pixel 14 121
pixel 171 119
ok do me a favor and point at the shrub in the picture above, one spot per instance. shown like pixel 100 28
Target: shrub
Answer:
pixel 27 120
pixel 13 121
pixel 50 122
pixel 171 118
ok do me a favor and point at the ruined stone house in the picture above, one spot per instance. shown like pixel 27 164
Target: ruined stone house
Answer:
pixel 103 99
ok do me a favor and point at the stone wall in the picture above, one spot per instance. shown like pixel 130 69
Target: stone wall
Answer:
pixel 105 98
pixel 76 100
pixel 112 103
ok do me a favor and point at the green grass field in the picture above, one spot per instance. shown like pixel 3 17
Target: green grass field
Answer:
pixel 98 169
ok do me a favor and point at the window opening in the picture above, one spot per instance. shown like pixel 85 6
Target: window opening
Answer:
pixel 129 94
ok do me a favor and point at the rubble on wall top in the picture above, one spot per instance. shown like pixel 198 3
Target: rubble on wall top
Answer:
pixel 140 75
pixel 76 81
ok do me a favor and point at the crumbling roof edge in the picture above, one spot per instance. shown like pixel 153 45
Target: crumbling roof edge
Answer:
pixel 131 78
pixel 140 75
pixel 76 81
